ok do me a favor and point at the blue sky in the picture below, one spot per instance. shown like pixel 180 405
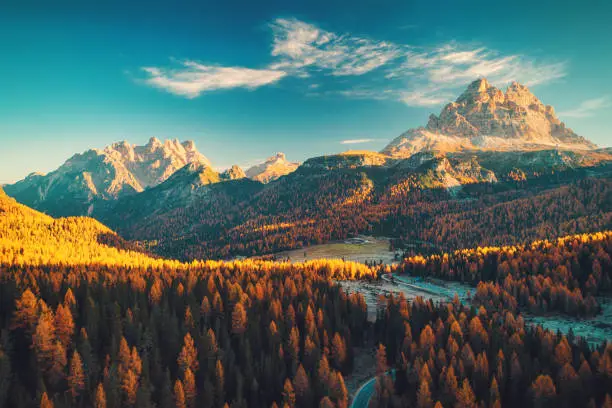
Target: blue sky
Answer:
pixel 245 79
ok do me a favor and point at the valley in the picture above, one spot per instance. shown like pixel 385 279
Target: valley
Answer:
pixel 363 249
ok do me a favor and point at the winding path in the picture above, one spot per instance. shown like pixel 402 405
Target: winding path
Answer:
pixel 364 393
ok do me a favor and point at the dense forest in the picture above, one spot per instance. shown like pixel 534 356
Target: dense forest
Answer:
pixel 88 320
pixel 453 356
pixel 562 275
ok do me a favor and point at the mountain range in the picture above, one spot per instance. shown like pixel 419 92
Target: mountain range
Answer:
pixel 168 195
pixel 90 179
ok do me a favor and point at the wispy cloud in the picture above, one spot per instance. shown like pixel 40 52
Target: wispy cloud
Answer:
pixel 191 79
pixel 300 45
pixel 415 76
pixel 357 141
pixel 587 108
pixel 433 76
pixel 424 97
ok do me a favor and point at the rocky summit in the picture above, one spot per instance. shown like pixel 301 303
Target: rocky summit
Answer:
pixel 485 118
pixel 233 173
pixel 273 168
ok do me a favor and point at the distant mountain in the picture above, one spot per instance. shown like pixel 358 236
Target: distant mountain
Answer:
pixel 485 118
pixel 273 168
pixel 117 170
pixel 233 173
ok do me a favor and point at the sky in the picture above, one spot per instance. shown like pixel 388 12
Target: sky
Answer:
pixel 246 79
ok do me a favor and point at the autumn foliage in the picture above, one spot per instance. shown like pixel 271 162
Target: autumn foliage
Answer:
pixel 96 323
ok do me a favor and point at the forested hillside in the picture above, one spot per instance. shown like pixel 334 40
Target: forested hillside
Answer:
pixel 316 205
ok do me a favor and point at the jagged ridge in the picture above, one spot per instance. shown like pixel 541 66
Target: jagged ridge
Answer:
pixel 117 170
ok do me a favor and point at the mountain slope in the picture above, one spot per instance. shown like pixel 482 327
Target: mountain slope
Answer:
pixel 117 170
pixel 485 118
pixel 30 237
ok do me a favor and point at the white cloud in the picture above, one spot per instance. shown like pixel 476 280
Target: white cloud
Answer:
pixel 377 94
pixel 300 45
pixel 587 108
pixel 424 98
pixel 357 141
pixel 192 78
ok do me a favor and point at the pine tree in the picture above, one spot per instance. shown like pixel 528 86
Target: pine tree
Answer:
pixel 76 377
pixel 179 395
pixel 288 394
pixel 26 312
pixel 189 387
pixel 294 344
pixel 100 397
pixel 340 392
pixel 43 339
pixel 544 391
pixel 188 357
pixel 465 397
pixel 326 403
pixel 239 319
pixel 338 351
pixel 381 360
pixel 64 324
pixel 220 383
pixel 424 395
pixel 58 363
pixel 129 386
pixel 302 385
pixel 427 338
pixel 494 395
pixel 45 402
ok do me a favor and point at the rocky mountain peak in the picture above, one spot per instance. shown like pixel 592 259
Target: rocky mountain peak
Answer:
pixel 521 95
pixel 479 91
pixel 233 173
pixel 485 118
pixel 189 145
pixel 272 168
pixel 153 144
pixel 479 86
pixel 280 156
